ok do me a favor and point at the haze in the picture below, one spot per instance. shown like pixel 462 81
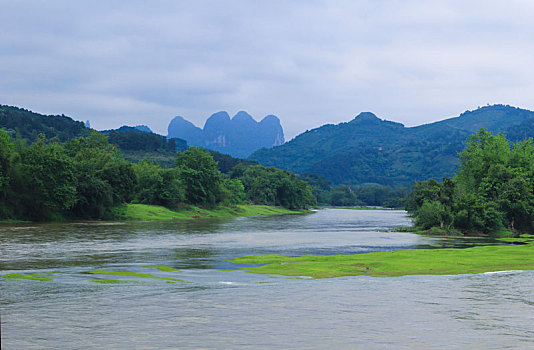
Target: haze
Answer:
pixel 308 62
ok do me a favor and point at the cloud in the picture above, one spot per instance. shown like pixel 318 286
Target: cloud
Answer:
pixel 310 62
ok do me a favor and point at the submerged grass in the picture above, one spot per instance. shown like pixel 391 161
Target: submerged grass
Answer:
pixel 123 273
pixel 154 212
pixel 447 261
pixel 29 276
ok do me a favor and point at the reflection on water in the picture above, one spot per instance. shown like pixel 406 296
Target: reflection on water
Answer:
pixel 224 307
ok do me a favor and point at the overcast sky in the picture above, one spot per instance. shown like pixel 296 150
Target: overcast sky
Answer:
pixel 308 62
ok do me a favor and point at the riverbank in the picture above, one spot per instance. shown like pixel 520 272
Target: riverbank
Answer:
pixel 519 256
pixel 441 232
pixel 147 212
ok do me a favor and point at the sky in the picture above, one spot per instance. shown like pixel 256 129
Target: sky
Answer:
pixel 308 62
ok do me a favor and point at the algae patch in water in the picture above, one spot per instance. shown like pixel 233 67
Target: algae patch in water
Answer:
pixel 123 273
pixel 444 261
pixel 29 276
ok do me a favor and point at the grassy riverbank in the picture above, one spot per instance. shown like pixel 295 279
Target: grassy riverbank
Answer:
pixel 400 262
pixel 154 212
pixel 441 232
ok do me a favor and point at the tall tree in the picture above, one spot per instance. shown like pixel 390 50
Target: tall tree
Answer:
pixel 198 172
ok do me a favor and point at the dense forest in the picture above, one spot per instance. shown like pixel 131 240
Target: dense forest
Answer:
pixel 86 177
pixel 368 149
pixel 376 195
pixel 492 191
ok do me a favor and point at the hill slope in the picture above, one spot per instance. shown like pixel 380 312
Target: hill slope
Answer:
pixel 371 150
pixel 28 125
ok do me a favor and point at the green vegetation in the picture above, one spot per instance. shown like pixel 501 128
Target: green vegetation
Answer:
pixel 355 195
pixel 88 178
pixel 398 263
pixel 271 186
pixel 132 274
pixel 29 276
pixel 153 212
pixel 24 124
pixel 492 192
pixel 371 150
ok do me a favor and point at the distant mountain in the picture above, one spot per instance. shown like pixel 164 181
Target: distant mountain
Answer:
pixel 371 150
pixel 238 136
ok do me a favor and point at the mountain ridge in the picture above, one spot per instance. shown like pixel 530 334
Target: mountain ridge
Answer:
pixel 238 136
pixel 368 149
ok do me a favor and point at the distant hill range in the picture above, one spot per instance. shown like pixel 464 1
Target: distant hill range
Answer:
pixel 239 136
pixel 365 150
pixel 135 142
pixel 371 150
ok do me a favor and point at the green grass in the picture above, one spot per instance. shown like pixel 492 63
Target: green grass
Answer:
pixel 398 263
pixel 154 212
pixel 29 276
pixel 122 273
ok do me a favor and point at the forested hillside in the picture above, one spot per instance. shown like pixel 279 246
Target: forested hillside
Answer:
pixel 371 150
pixel 87 178
pixel 28 125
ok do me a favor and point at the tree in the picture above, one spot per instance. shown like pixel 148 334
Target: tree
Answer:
pixel 6 150
pixel 271 186
pixel 105 179
pixel 232 192
pixel 342 195
pixel 198 172
pixel 158 186
pixel 50 179
pixel 493 189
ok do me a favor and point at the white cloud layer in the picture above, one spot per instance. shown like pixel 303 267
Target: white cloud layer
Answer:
pixel 308 62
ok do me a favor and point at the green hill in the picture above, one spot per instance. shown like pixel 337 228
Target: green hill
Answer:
pixel 371 150
pixel 19 122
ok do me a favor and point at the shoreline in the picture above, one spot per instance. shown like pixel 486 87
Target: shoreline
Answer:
pixel 147 212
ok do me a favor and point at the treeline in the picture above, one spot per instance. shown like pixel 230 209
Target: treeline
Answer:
pixel 21 123
pixel 360 195
pixel 128 138
pixel 492 190
pixel 86 177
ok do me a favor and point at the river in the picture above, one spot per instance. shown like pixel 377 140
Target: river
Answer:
pixel 222 307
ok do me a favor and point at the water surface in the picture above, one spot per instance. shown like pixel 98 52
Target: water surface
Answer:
pixel 223 307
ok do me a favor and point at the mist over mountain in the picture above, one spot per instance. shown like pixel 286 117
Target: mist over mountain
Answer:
pixel 372 150
pixel 238 136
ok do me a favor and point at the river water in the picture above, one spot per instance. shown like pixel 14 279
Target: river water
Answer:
pixel 222 307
